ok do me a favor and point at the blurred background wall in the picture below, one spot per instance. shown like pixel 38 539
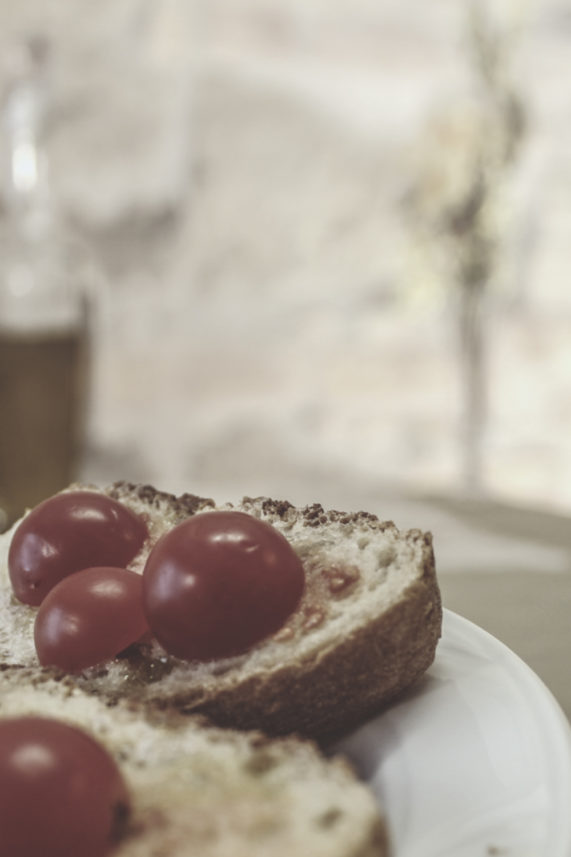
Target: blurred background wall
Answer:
pixel 324 237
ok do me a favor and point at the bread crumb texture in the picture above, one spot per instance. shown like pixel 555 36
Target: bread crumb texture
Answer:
pixel 201 790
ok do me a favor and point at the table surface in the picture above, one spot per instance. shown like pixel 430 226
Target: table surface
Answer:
pixel 509 571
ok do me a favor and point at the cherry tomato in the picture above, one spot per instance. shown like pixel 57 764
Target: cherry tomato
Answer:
pixel 68 532
pixel 62 795
pixel 89 617
pixel 218 583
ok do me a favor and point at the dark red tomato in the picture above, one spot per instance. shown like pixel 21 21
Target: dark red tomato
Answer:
pixel 219 583
pixel 68 532
pixel 62 795
pixel 89 617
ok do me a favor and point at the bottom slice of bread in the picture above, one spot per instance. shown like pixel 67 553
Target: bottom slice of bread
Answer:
pixel 200 790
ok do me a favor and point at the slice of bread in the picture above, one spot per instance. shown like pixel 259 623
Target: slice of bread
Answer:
pixel 366 628
pixel 196 789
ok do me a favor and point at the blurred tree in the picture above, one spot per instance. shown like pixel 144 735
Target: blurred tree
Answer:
pixel 466 159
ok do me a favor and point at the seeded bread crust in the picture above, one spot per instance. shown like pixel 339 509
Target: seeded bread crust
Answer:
pixel 365 630
pixel 196 789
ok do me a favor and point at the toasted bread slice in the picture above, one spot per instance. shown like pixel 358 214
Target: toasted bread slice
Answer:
pixel 196 789
pixel 366 628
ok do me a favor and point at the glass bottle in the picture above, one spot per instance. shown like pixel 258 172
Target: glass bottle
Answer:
pixel 43 319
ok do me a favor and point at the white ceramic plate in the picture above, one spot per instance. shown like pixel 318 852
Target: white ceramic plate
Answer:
pixel 477 761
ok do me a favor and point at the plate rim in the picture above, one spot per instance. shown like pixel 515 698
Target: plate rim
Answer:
pixel 548 724
pixel 554 724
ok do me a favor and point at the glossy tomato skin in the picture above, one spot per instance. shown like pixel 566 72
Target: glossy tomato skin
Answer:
pixel 62 795
pixel 66 533
pixel 219 583
pixel 89 617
